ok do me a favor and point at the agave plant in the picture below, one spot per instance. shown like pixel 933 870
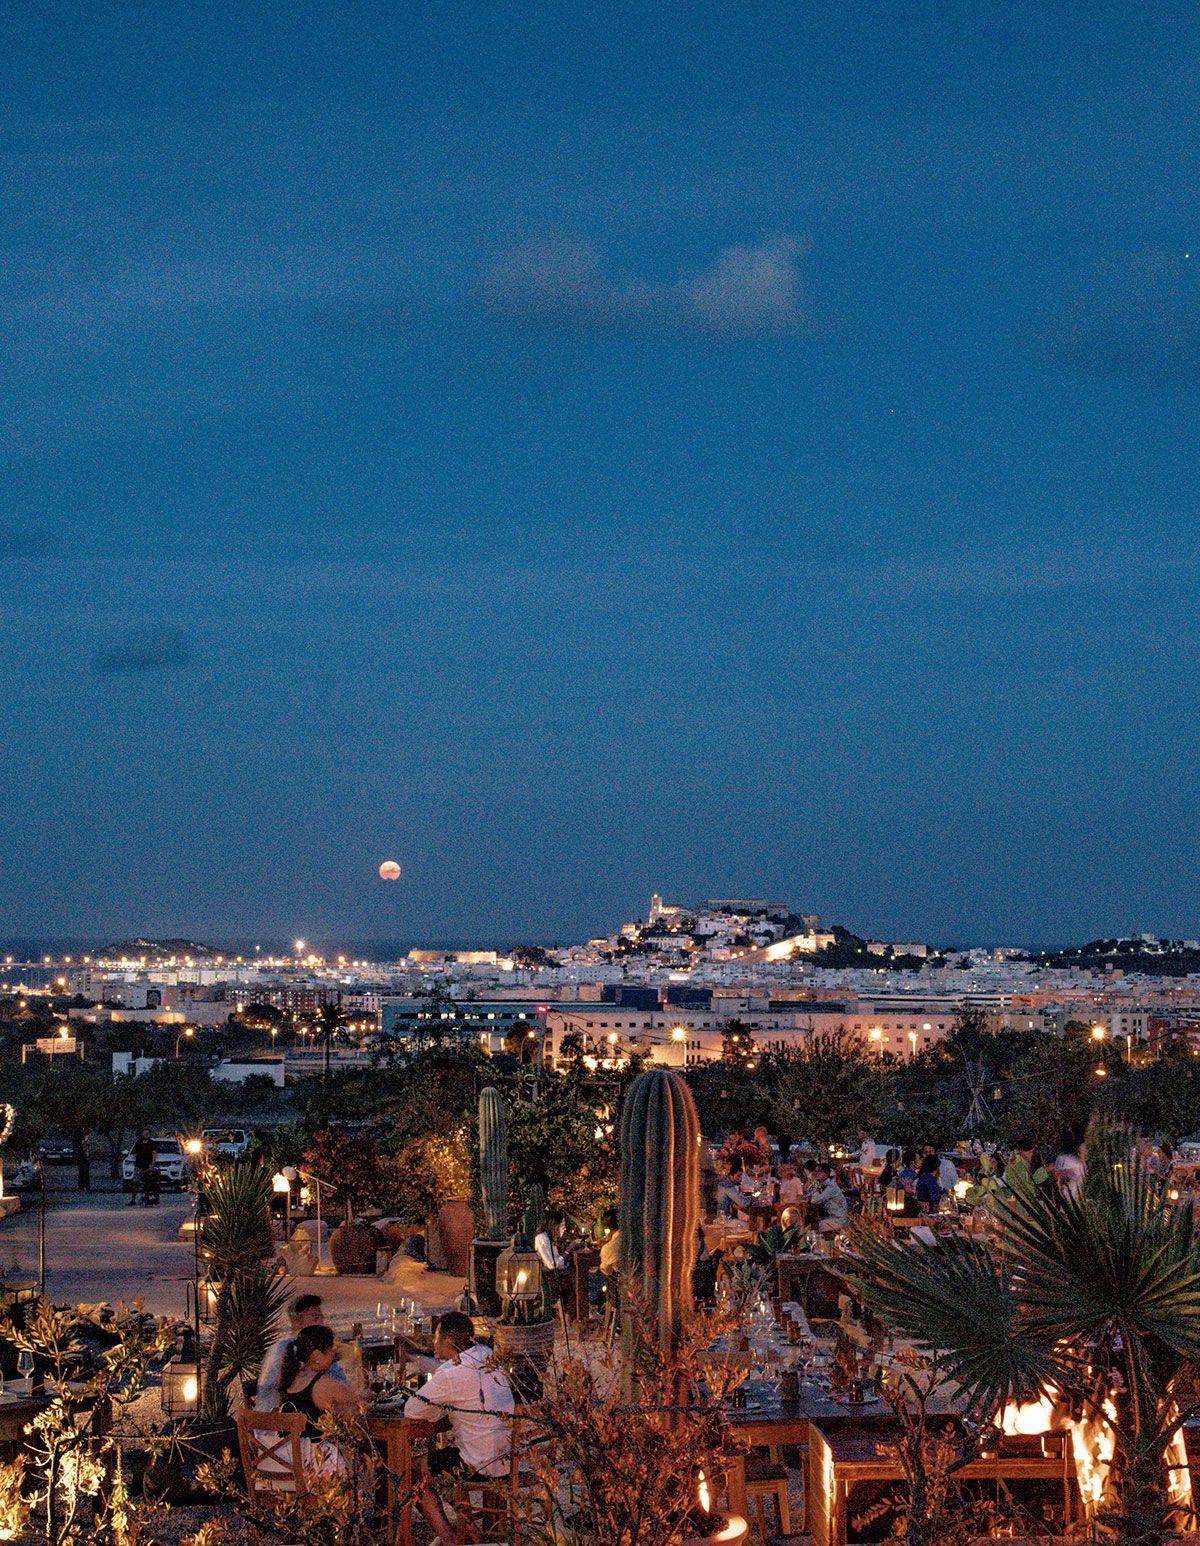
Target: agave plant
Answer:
pixel 1093 1300
pixel 771 1243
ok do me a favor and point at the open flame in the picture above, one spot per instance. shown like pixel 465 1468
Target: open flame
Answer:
pixel 1028 1417
pixel 1179 1476
pixel 703 1496
pixel 1093 1440
pixel 1093 1443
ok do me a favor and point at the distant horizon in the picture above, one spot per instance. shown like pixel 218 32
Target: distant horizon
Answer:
pixel 27 949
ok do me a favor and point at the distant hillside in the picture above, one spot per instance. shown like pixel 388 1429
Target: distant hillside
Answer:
pixel 156 950
pixel 1140 953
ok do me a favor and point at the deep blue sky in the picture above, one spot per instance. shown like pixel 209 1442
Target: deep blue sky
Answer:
pixel 582 449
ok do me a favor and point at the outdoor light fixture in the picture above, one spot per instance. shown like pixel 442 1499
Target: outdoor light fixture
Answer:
pixel 281 1185
pixel 895 1198
pixel 519 1272
pixel 180 1392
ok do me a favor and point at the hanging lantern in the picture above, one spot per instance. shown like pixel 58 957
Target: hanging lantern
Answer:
pixel 519 1272
pixel 180 1393
pixel 896 1197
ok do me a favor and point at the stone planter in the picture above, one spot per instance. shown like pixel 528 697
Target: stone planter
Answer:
pixel 456 1227
pixel 352 1249
pixel 525 1351
pixel 484 1255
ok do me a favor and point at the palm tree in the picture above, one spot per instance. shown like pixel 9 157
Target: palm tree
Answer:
pixel 1094 1300
pixel 329 1022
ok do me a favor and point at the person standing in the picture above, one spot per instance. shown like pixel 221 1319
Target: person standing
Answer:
pixel 143 1166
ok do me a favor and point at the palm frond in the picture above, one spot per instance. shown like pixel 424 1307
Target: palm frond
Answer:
pixel 952 1299
pixel 237 1234
pixel 1118 1256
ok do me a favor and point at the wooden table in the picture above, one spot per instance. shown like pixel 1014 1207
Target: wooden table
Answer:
pixel 842 1454
pixel 387 1427
pixel 17 1410
pixel 766 1421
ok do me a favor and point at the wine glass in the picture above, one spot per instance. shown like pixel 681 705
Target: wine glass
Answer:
pixel 25 1370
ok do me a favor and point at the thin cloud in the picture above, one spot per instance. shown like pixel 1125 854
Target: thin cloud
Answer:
pixel 1139 317
pixel 561 282
pixel 22 541
pixel 145 649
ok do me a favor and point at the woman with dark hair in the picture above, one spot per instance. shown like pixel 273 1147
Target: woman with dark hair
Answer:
pixel 928 1189
pixel 308 1387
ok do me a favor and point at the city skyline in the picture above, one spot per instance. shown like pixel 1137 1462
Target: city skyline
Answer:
pixel 572 453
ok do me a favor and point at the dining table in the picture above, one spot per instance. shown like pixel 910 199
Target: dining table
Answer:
pixel 394 1434
pixel 844 1453
pixel 766 1421
pixel 17 1410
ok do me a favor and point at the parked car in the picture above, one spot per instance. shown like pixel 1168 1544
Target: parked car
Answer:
pixel 169 1162
pixel 225 1142
pixel 55 1149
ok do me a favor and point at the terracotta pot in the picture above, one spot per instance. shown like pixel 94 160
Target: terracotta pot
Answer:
pixel 456 1225
pixel 732 1533
pixel 352 1248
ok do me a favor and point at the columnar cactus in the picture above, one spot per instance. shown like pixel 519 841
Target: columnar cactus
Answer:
pixel 660 1197
pixel 535 1208
pixel 493 1164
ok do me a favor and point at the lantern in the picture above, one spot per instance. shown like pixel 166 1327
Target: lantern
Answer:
pixel 895 1197
pixel 519 1272
pixel 180 1393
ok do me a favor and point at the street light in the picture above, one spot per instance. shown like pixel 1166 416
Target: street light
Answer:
pixel 1098 1033
pixel 187 1032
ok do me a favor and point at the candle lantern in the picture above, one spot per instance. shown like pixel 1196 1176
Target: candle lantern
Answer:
pixel 519 1272
pixel 180 1393
pixel 895 1198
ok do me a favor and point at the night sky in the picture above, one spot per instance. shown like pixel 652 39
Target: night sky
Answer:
pixel 580 450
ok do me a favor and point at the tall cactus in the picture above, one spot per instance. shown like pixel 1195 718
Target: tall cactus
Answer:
pixel 660 1197
pixel 493 1164
pixel 535 1208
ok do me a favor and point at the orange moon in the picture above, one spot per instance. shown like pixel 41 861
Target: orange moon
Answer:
pixel 389 870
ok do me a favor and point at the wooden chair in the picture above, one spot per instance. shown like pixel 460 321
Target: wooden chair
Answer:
pixel 767 1478
pixel 271 1456
pixel 485 1507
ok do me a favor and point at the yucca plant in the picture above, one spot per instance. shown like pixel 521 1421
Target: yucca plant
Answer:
pixel 236 1243
pixel 256 1302
pixel 1095 1298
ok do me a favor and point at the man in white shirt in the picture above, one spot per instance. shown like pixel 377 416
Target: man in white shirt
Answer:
pixel 947 1173
pixel 303 1311
pixel 474 1396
